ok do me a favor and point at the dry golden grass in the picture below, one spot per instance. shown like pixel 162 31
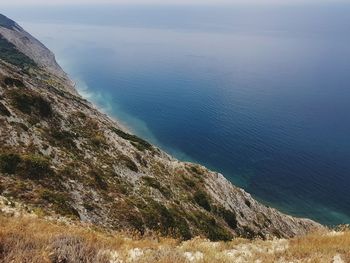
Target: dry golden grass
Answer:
pixel 30 239
pixel 321 247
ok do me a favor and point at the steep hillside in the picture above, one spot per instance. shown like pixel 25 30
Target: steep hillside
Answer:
pixel 60 156
pixel 32 48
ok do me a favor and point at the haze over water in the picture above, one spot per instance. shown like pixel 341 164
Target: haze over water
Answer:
pixel 261 94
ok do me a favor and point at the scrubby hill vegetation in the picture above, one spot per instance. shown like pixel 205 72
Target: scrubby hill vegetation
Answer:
pixel 30 239
pixel 10 54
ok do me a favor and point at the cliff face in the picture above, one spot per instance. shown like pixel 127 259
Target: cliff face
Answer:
pixel 60 156
pixel 32 48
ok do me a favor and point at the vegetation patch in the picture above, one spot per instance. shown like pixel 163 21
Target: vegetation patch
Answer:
pixel 63 138
pixel 192 168
pixel 154 183
pixel 227 215
pixel 4 111
pixel 31 103
pixel 120 186
pixel 211 228
pixel 196 172
pixel 137 142
pixel 12 82
pixel 188 182
pixel 202 199
pixel 10 54
pixel 99 179
pixel 181 228
pixel 127 162
pixel 158 217
pixel 9 162
pixel 60 202
pixel 98 140
pixel 28 166
pixel 36 167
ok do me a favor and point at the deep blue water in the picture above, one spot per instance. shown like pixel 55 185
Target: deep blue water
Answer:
pixel 260 94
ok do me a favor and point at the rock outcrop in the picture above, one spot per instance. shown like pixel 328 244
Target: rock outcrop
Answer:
pixel 60 156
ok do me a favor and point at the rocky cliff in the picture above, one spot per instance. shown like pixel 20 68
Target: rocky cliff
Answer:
pixel 60 156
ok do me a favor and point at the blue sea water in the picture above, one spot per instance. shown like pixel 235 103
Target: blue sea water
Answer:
pixel 260 94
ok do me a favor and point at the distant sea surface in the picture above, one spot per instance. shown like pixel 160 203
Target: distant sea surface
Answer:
pixel 260 94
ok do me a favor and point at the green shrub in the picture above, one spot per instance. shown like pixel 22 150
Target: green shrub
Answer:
pixel 181 226
pixel 98 178
pixel 228 216
pixel 61 203
pixel 188 182
pixel 202 199
pixel 194 169
pixel 4 111
pixel 196 172
pixel 156 216
pixel 136 222
pixel 10 54
pixel 9 163
pixel 137 142
pixel 153 182
pixel 31 103
pixel 28 166
pixel 98 140
pixel 126 161
pixel 80 115
pixel 208 225
pixel 13 82
pixel 63 138
pixel 89 207
pixel 36 167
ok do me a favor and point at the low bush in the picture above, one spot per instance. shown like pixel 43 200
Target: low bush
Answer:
pixel 98 178
pixel 188 182
pixel 63 138
pixel 137 142
pixel 13 82
pixel 202 199
pixel 9 162
pixel 227 215
pixel 26 166
pixel 60 202
pixel 166 221
pixel 153 182
pixel 36 167
pixel 126 161
pixel 31 103
pixel 4 111
pixel 98 140
pixel 213 230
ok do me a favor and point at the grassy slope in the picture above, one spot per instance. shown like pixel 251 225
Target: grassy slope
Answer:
pixel 29 239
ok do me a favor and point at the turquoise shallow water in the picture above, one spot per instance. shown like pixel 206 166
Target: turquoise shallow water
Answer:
pixel 254 93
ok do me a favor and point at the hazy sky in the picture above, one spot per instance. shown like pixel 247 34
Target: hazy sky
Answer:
pixel 77 2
